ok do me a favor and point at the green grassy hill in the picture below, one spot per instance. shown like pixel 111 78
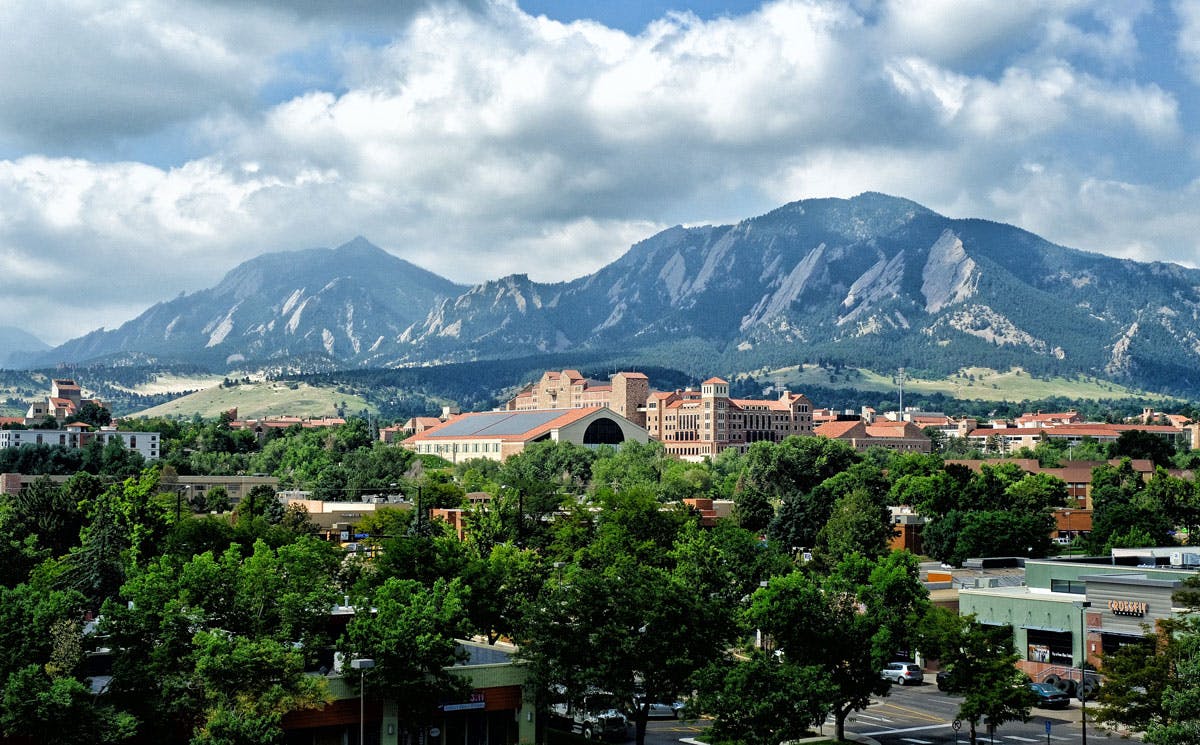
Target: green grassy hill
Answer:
pixel 259 399
pixel 968 384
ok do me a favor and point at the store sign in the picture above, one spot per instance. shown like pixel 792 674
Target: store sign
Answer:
pixel 477 702
pixel 1127 607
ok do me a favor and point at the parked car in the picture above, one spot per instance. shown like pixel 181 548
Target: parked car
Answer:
pixel 903 673
pixel 1050 696
pixel 943 677
pixel 596 718
pixel 665 710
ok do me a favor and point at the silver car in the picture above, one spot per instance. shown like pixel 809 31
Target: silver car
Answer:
pixel 659 709
pixel 903 673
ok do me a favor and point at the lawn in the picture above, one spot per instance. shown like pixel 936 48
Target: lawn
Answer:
pixel 967 384
pixel 259 399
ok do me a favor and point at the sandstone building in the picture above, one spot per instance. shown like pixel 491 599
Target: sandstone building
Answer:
pixel 693 425
pixel 626 394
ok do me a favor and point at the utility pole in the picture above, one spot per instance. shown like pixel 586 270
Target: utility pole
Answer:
pixel 1082 605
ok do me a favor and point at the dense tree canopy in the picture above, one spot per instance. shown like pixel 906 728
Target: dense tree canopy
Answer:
pixel 586 557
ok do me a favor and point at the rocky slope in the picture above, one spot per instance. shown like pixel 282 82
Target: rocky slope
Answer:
pixel 875 281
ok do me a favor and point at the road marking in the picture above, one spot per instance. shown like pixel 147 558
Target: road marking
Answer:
pixel 1020 739
pixel 915 740
pixel 868 716
pixel 915 712
pixel 906 729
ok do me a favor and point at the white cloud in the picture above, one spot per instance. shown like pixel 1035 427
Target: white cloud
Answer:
pixel 1188 38
pixel 481 141
pixel 92 71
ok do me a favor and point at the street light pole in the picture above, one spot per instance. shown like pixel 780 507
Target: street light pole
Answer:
pixel 179 489
pixel 362 665
pixel 1082 605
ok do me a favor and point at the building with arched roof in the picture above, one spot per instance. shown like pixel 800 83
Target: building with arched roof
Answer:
pixel 499 434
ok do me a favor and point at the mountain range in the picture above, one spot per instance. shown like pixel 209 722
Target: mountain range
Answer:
pixel 875 281
pixel 17 345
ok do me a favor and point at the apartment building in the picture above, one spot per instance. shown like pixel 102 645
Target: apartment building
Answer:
pixel 693 425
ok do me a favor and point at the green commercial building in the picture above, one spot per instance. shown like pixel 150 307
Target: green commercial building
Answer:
pixel 1072 610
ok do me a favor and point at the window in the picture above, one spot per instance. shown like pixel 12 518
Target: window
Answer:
pixel 1073 586
pixel 1045 645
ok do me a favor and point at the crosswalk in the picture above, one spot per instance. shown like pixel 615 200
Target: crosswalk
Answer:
pixel 918 741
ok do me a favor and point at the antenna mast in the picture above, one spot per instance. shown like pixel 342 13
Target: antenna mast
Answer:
pixel 900 378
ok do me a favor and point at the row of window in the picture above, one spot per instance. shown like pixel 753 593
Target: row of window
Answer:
pixel 437 448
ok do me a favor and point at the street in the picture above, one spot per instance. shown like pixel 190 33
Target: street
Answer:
pixel 923 715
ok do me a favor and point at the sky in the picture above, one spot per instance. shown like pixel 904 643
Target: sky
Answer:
pixel 147 148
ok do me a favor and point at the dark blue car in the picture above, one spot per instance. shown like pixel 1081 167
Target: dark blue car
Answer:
pixel 1049 696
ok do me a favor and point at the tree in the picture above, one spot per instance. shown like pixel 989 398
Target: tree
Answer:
pixel 762 700
pixel 619 618
pixel 753 509
pixel 848 624
pixel 217 500
pixel 1181 699
pixel 216 647
pixel 330 484
pixel 1124 505
pixel 802 512
pixel 982 669
pixel 124 528
pixel 260 501
pixel 859 525
pixel 1135 677
pixel 539 476
pixel 47 511
pixel 1138 443
pixel 411 636
pixel 502 582
pixel 1154 686
pixel 93 414
pixel 119 461
pixel 1180 499
pixel 796 465
pixel 58 710
pixel 248 684
pixel 631 464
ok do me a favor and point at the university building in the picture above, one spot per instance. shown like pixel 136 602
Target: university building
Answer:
pixel 626 394
pixel 65 400
pixel 497 435
pixel 694 425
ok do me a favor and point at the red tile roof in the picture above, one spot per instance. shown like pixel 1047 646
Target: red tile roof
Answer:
pixel 894 429
pixel 834 430
pixel 715 381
